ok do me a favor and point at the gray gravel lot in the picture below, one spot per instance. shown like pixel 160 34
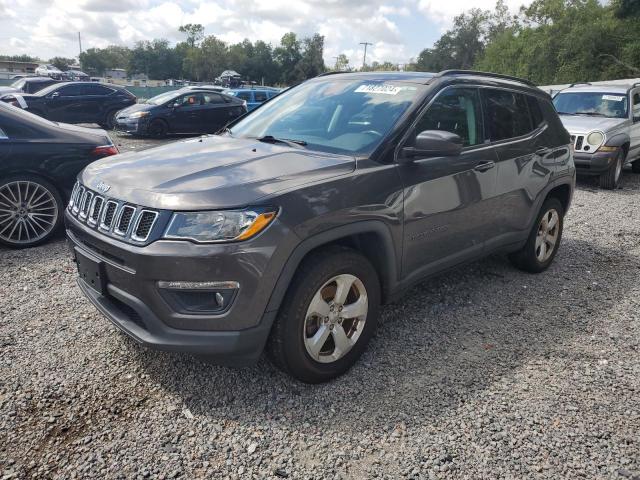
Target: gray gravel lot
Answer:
pixel 483 372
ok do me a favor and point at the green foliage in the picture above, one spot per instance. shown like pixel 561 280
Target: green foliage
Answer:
pixel 342 63
pixel 96 60
pixel 20 58
pixel 62 63
pixel 194 32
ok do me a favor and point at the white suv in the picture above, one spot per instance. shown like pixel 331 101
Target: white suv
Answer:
pixel 604 123
pixel 49 71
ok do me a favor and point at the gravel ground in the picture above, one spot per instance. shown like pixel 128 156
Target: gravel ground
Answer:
pixel 482 372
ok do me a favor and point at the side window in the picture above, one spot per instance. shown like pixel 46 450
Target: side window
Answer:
pixel 507 114
pixel 70 91
pixel 636 105
pixel 260 96
pixel 245 96
pixel 213 98
pixel 96 90
pixel 457 111
pixel 535 111
pixel 191 100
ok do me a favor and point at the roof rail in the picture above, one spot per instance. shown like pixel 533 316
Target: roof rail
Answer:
pixel 332 72
pixel 447 73
pixel 578 83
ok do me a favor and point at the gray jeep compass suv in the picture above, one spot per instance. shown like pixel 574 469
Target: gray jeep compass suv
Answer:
pixel 291 227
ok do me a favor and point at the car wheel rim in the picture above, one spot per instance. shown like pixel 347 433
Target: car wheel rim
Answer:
pixel 335 318
pixel 547 238
pixel 28 212
pixel 618 167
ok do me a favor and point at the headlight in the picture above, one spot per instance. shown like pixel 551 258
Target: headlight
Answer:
pixel 138 114
pixel 233 225
pixel 595 138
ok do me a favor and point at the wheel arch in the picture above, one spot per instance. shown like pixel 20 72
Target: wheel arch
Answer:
pixel 372 239
pixel 619 140
pixel 38 174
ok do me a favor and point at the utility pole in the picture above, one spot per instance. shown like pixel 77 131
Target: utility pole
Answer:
pixel 79 43
pixel 364 58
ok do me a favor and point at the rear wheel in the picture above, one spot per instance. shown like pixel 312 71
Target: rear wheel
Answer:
pixel 609 180
pixel 328 316
pixel 544 239
pixel 30 211
pixel 158 129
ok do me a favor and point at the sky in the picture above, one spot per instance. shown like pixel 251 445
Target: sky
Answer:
pixel 398 30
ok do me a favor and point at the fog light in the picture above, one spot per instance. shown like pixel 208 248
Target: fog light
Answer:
pixel 200 298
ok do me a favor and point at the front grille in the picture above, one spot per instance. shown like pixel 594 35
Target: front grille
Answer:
pixel 112 217
pixel 124 220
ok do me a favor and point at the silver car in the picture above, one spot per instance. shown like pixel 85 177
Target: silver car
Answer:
pixel 604 123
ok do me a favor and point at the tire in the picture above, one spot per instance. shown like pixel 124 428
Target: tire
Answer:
pixel 158 129
pixel 635 166
pixel 290 346
pixel 35 219
pixel 109 120
pixel 529 257
pixel 609 180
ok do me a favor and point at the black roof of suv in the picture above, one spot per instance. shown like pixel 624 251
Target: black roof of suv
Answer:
pixel 292 226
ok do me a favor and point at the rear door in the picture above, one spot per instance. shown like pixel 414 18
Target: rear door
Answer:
pixel 96 98
pixel 447 200
pixel 525 153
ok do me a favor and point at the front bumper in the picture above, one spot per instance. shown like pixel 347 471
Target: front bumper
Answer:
pixel 137 126
pixel 132 300
pixel 593 163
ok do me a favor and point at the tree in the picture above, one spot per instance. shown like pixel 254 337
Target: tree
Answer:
pixel 20 58
pixel 97 60
pixel 311 63
pixel 287 55
pixel 155 59
pixel 194 32
pixel 62 63
pixel 342 63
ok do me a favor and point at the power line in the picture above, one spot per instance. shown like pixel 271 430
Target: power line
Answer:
pixel 364 58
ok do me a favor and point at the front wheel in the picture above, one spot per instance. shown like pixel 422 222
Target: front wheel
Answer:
pixel 328 316
pixel 109 122
pixel 30 211
pixel 544 240
pixel 609 180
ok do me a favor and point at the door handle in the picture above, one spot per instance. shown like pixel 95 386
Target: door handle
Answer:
pixel 484 166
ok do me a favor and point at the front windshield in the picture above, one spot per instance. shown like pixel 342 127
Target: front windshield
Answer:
pixel 600 104
pixel 333 115
pixel 163 97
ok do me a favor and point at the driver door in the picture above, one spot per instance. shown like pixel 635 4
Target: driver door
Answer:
pixel 188 114
pixel 634 133
pixel 448 199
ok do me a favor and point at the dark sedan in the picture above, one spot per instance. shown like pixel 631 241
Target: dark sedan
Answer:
pixel 39 162
pixel 181 111
pixel 77 102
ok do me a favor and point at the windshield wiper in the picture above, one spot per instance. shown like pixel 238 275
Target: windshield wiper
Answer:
pixel 565 113
pixel 591 114
pixel 286 141
pixel 224 130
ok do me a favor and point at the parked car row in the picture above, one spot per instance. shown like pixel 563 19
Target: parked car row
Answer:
pixel 54 72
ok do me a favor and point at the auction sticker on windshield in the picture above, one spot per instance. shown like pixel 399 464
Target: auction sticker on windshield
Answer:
pixel 612 98
pixel 377 88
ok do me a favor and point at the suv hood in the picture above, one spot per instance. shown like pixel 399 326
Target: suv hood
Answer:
pixel 585 124
pixel 210 173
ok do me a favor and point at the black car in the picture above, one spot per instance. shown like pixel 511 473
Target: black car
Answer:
pixel 291 228
pixel 28 85
pixel 39 161
pixel 181 111
pixel 77 102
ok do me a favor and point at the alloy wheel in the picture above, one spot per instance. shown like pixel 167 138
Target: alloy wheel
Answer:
pixel 335 318
pixel 547 238
pixel 28 212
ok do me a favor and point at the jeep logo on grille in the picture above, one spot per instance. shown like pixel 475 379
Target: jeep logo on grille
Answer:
pixel 103 187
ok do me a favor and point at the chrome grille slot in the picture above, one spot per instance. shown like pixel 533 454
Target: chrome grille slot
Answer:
pixel 108 214
pixel 76 202
pixel 86 204
pixel 76 187
pixel 94 211
pixel 124 220
pixel 143 225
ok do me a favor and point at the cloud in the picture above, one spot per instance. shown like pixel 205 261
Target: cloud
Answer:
pixel 443 12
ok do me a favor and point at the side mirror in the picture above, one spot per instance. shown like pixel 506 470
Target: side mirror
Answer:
pixel 54 95
pixel 433 143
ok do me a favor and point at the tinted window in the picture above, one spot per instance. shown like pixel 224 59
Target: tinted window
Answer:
pixel 96 90
pixel 213 98
pixel 535 111
pixel 507 114
pixel 456 111
pixel 70 91
pixel 191 99
pixel 244 96
pixel 636 104
pixel 260 96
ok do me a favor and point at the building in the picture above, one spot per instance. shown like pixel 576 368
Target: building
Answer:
pixel 116 73
pixel 9 68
